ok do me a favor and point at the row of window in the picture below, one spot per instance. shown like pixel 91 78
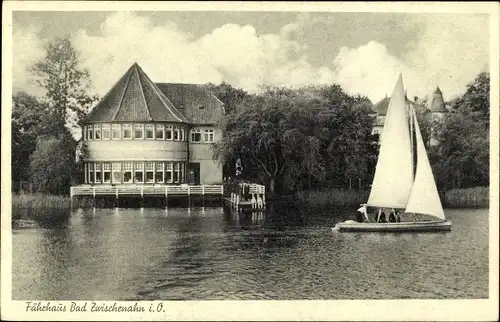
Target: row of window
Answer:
pixel 144 131
pixel 135 172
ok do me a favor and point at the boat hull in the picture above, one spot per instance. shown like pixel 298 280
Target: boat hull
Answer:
pixel 422 226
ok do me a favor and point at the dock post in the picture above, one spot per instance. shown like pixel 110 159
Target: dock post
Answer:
pixel 166 196
pixel 116 198
pixel 203 195
pixel 93 198
pixel 189 197
pixel 142 196
pixel 71 198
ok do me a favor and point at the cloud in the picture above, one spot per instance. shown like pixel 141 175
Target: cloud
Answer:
pixel 231 52
pixel 27 48
pixel 448 51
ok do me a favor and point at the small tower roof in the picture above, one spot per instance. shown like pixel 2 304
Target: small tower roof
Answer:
pixel 135 98
pixel 436 104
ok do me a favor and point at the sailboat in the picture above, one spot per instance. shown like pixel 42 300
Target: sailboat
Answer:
pixel 403 179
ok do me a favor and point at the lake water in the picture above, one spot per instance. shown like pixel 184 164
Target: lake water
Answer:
pixel 213 254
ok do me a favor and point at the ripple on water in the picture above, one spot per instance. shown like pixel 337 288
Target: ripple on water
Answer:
pixel 123 254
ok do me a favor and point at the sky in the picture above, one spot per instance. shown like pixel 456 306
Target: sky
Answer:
pixel 363 52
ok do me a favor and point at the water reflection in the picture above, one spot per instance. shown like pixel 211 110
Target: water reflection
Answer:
pixel 216 253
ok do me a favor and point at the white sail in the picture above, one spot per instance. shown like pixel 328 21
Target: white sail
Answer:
pixel 424 197
pixel 393 178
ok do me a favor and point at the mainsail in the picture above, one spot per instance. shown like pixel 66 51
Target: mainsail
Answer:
pixel 424 197
pixel 393 178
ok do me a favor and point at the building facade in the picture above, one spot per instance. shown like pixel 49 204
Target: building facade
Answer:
pixel 146 133
pixel 435 106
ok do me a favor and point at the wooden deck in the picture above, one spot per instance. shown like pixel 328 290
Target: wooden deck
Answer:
pixel 146 190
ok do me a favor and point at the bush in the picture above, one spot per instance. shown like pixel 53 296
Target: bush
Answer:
pixel 477 197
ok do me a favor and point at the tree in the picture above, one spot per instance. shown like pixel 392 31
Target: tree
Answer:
pixel 461 159
pixel 297 138
pixel 229 95
pixel 49 166
pixel 66 102
pixel 66 84
pixel 29 121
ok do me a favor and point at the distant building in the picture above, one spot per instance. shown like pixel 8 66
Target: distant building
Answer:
pixel 435 106
pixel 143 133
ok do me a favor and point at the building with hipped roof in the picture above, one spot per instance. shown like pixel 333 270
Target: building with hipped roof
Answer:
pixel 145 133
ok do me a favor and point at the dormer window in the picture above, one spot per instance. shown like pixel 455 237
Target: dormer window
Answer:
pixel 91 133
pixel 201 107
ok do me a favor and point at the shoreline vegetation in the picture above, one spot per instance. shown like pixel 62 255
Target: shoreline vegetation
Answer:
pixel 28 209
pixel 477 197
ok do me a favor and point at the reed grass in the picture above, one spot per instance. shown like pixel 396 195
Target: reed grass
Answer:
pixel 332 197
pixel 477 197
pixel 36 206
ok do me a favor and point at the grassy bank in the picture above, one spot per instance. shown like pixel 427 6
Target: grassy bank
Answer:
pixel 40 207
pixel 332 197
pixel 477 197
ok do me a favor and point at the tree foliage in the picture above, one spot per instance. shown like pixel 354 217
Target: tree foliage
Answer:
pixel 229 95
pixel 43 145
pixel 299 138
pixel 461 159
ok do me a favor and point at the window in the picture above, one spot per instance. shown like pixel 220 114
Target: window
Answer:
pixel 117 172
pixel 106 172
pixel 98 177
pixel 181 173
pixel 150 168
pixel 127 131
pixel 91 172
pixel 150 131
pixel 97 131
pixel 176 133
pixel 106 131
pixel 138 131
pixel 195 135
pixel 160 131
pixel 91 132
pixel 159 172
pixel 176 172
pixel 127 172
pixel 139 172
pixel 116 131
pixel 168 172
pixel 168 132
pixel 85 133
pixel 182 135
pixel 209 135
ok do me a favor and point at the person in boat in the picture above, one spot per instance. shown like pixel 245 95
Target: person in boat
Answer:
pixel 362 211
pixel 398 216
pixel 382 218
pixel 392 216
